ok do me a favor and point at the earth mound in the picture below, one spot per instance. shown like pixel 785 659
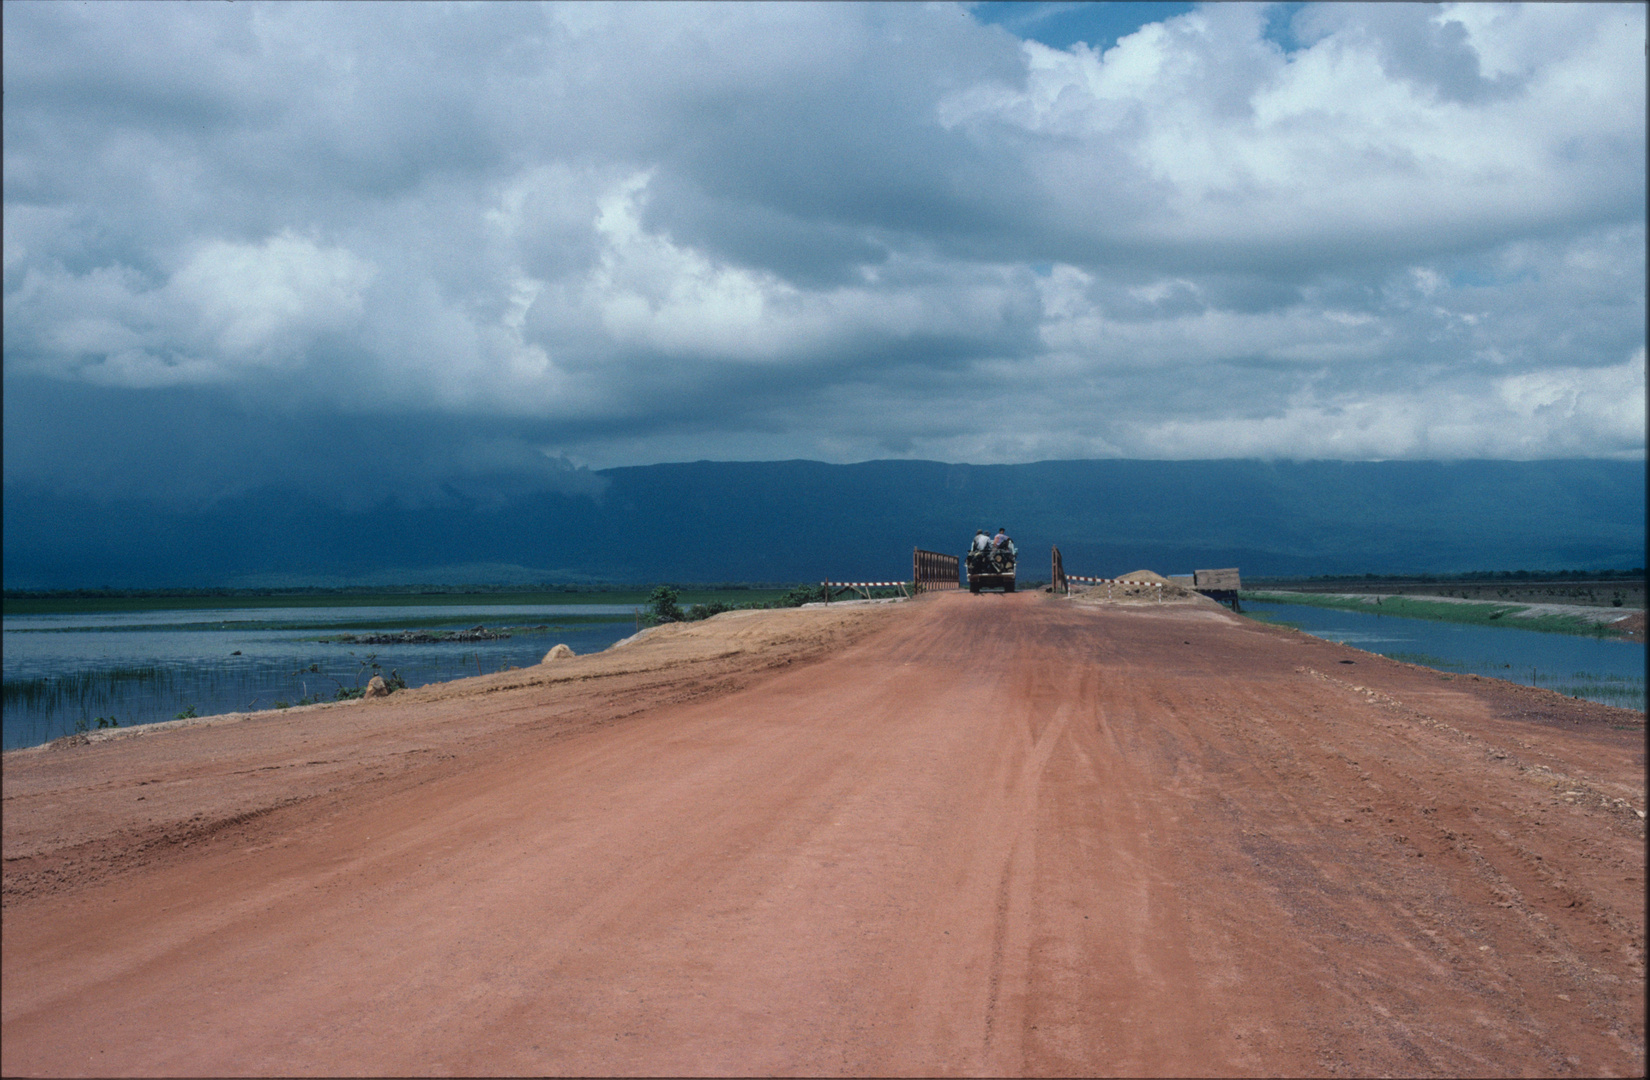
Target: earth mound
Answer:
pixel 1137 585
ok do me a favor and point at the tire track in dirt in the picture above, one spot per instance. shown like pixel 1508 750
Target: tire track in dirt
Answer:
pixel 1004 835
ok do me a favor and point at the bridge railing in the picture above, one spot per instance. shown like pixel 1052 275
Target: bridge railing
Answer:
pixel 935 570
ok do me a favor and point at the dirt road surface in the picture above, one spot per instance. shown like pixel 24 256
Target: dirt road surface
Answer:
pixel 993 834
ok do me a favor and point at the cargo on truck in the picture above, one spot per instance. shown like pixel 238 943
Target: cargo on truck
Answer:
pixel 990 562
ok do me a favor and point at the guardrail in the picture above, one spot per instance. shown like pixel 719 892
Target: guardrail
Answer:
pixel 864 587
pixel 934 570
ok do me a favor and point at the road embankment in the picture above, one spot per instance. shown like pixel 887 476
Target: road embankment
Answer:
pixel 995 834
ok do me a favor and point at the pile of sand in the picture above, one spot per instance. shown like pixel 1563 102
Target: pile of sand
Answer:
pixel 1137 585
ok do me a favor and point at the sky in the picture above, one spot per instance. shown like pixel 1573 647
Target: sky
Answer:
pixel 385 249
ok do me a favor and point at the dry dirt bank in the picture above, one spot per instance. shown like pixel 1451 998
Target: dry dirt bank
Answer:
pixel 999 834
pixel 77 809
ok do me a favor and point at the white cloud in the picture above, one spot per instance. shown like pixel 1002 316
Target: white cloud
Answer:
pixel 229 309
pixel 1553 413
pixel 844 231
pixel 259 303
pixel 653 292
pixel 1208 134
pixel 1578 408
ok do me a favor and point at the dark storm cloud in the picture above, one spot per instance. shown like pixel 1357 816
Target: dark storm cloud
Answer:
pixel 193 446
pixel 630 233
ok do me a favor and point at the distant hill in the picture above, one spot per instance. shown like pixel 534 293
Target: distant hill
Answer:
pixel 805 521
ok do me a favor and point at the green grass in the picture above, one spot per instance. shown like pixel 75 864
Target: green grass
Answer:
pixel 1464 612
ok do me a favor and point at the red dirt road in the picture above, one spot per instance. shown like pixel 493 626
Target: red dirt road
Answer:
pixel 1001 835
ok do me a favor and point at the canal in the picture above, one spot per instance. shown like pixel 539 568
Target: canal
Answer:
pixel 1602 669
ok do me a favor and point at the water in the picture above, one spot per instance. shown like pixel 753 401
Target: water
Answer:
pixel 64 672
pixel 1607 670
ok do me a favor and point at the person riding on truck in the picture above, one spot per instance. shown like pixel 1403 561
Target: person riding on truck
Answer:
pixel 990 561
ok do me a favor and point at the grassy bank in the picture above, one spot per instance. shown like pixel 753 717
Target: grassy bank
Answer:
pixel 1468 613
pixel 1610 588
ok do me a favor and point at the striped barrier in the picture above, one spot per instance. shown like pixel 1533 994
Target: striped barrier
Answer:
pixel 1108 582
pixel 864 587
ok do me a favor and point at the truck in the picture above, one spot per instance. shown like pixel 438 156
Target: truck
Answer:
pixel 991 567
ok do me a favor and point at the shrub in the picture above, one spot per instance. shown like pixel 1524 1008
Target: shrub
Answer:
pixel 802 594
pixel 662 606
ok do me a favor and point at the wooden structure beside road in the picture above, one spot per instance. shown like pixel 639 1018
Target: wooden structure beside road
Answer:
pixel 1221 585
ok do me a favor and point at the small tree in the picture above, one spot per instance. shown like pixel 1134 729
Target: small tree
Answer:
pixel 662 606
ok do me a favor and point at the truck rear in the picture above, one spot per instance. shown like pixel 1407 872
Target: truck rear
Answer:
pixel 990 568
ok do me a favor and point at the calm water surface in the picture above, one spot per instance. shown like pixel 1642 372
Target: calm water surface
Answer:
pixel 64 671
pixel 1608 670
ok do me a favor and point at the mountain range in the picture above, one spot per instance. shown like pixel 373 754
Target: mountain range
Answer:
pixel 786 521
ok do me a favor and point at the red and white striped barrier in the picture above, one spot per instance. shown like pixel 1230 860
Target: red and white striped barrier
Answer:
pixel 1108 582
pixel 865 587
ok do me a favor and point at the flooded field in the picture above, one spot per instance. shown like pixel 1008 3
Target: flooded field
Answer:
pixel 73 672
